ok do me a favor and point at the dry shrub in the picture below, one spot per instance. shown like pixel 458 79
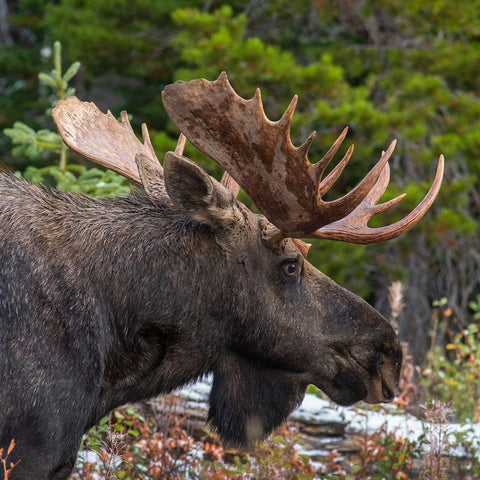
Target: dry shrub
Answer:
pixel 437 459
pixel 159 447
pixel 409 392
pixel 335 467
pixel 385 455
pixel 7 466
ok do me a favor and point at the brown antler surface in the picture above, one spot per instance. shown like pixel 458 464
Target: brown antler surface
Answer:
pixel 353 228
pixel 100 137
pixel 277 175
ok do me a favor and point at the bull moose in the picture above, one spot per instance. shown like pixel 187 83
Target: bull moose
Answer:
pixel 114 300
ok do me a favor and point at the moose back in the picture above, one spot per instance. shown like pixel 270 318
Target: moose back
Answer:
pixel 107 301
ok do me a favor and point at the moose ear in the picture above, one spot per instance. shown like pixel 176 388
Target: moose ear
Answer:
pixel 199 195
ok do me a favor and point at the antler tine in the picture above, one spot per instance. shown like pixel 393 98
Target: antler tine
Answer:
pixel 378 190
pixel 344 205
pixel 353 228
pixel 256 100
pixel 146 138
pixel 180 144
pixel 286 120
pixel 230 184
pixel 101 137
pixel 303 152
pixel 322 164
pixel 325 185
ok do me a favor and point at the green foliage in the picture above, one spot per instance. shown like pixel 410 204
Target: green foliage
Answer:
pixel 466 441
pixel 34 144
pixel 57 80
pixel 20 54
pixel 79 179
pixel 122 34
pixel 431 17
pixel 475 306
pixel 452 374
pixel 344 262
pixel 212 42
pixel 122 421
pixel 384 456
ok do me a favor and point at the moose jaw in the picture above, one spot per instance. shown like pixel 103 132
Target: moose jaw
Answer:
pixel 106 301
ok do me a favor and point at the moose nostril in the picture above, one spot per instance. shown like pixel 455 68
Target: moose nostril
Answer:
pixel 388 394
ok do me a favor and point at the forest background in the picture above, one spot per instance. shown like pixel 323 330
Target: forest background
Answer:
pixel 390 69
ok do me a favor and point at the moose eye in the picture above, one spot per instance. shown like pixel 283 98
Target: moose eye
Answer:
pixel 290 269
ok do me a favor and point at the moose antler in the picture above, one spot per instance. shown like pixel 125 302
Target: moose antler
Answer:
pixel 101 137
pixel 278 176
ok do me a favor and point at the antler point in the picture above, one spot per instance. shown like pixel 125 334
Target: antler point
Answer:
pixel 305 146
pixel 440 169
pixel 286 119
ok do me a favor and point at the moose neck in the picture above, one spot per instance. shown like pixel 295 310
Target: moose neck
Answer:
pixel 164 297
pixel 153 273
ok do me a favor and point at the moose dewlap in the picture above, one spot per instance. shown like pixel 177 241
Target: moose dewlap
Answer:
pixel 107 301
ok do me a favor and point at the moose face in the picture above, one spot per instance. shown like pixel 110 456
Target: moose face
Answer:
pixel 312 326
pixel 293 326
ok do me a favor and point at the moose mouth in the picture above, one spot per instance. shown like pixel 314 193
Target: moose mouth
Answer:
pixel 382 379
pixel 373 381
pixel 351 388
pixel 380 391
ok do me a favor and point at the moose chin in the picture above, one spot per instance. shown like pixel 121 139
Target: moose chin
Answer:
pixel 108 301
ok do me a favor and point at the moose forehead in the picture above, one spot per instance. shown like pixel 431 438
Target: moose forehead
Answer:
pixel 288 246
pixel 285 246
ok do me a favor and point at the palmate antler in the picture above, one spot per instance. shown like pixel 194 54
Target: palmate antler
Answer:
pixel 102 138
pixel 278 176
